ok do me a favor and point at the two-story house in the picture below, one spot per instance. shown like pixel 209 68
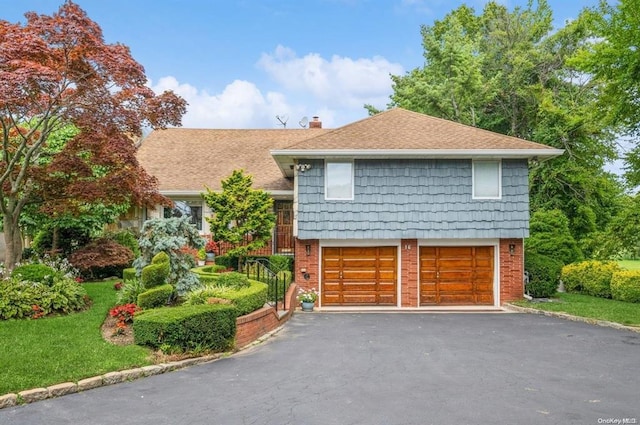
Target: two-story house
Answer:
pixel 396 210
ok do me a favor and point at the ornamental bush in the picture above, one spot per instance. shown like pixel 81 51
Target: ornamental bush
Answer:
pixel 129 273
pixel 233 280
pixel 126 238
pixel 155 297
pixel 187 327
pixel 171 236
pixel 589 277
pixel 550 236
pixel 156 273
pixel 21 299
pixel 247 299
pixel 544 275
pixel 130 290
pixel 102 257
pixel 36 272
pixel 625 286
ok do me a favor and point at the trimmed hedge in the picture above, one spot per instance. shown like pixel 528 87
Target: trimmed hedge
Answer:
pixel 232 280
pixel 34 273
pixel 228 261
pixel 187 327
pixel 156 273
pixel 625 286
pixel 590 277
pixel 544 275
pixel 155 297
pixel 246 300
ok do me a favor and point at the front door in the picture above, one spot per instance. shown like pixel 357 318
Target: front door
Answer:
pixel 284 227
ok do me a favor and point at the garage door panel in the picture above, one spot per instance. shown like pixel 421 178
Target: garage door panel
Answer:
pixel 456 275
pixel 359 276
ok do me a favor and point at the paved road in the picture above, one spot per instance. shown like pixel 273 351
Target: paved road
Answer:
pixel 385 369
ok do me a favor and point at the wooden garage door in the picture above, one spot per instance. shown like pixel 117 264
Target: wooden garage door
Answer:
pixel 359 276
pixel 460 275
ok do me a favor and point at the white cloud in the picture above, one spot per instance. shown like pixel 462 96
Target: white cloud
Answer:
pixel 340 82
pixel 240 105
pixel 335 90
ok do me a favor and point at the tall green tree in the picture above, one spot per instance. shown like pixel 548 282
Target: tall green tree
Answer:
pixel 242 216
pixel 612 61
pixel 510 72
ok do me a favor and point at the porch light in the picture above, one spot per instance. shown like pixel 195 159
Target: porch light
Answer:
pixel 307 249
pixel 512 248
pixel 303 167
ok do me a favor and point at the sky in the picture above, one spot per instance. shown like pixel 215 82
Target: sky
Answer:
pixel 243 64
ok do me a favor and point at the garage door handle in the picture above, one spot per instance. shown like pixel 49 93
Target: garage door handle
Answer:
pixel 340 275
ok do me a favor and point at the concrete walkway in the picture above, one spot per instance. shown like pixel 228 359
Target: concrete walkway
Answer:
pixel 385 369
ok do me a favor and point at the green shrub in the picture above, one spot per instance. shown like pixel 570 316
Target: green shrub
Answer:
pixel 247 299
pixel 544 275
pixel 20 299
pixel 228 261
pixel 216 268
pixel 130 290
pixel 232 280
pixel 155 297
pixel 129 273
pixel 203 326
pixel 550 236
pixel 156 273
pixel 589 277
pixel 280 263
pixel 36 272
pixel 625 286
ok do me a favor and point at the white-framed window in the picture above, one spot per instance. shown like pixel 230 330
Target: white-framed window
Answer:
pixel 183 208
pixel 338 180
pixel 487 179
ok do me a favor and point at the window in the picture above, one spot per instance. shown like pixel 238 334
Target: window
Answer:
pixel 487 179
pixel 184 209
pixel 339 180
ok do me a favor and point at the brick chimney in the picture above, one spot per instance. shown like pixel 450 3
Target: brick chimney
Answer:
pixel 316 123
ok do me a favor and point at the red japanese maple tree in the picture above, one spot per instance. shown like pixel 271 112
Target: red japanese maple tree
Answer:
pixel 55 71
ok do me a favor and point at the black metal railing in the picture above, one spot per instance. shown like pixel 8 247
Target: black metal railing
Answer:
pixel 259 269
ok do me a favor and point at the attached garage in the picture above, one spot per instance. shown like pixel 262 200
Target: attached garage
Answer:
pixel 456 275
pixel 359 276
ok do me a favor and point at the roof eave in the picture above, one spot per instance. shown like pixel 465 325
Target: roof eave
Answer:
pixel 285 157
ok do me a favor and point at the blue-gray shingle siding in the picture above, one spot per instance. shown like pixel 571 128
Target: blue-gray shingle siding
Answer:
pixel 421 198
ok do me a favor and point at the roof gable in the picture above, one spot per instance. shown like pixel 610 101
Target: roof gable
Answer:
pixel 399 128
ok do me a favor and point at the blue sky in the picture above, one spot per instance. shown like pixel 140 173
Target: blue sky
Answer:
pixel 241 63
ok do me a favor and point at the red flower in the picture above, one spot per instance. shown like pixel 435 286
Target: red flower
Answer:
pixel 211 246
pixel 79 279
pixel 117 286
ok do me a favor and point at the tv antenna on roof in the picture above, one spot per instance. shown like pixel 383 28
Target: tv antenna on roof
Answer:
pixel 283 120
pixel 303 122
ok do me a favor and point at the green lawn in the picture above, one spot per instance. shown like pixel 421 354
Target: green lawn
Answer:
pixel 630 264
pixel 592 307
pixel 43 352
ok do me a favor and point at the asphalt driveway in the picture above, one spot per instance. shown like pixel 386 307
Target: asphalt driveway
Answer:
pixel 385 369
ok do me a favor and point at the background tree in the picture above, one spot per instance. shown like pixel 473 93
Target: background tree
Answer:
pixel 511 72
pixel 57 71
pixel 242 216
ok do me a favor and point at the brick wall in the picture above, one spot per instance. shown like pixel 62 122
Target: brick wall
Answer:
pixel 260 322
pixel 409 273
pixel 310 263
pixel 511 270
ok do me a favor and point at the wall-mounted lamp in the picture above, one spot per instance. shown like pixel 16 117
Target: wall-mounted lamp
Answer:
pixel 303 167
pixel 512 248
pixel 307 249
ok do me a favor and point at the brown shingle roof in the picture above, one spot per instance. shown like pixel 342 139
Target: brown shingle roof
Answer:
pixel 186 160
pixel 402 129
